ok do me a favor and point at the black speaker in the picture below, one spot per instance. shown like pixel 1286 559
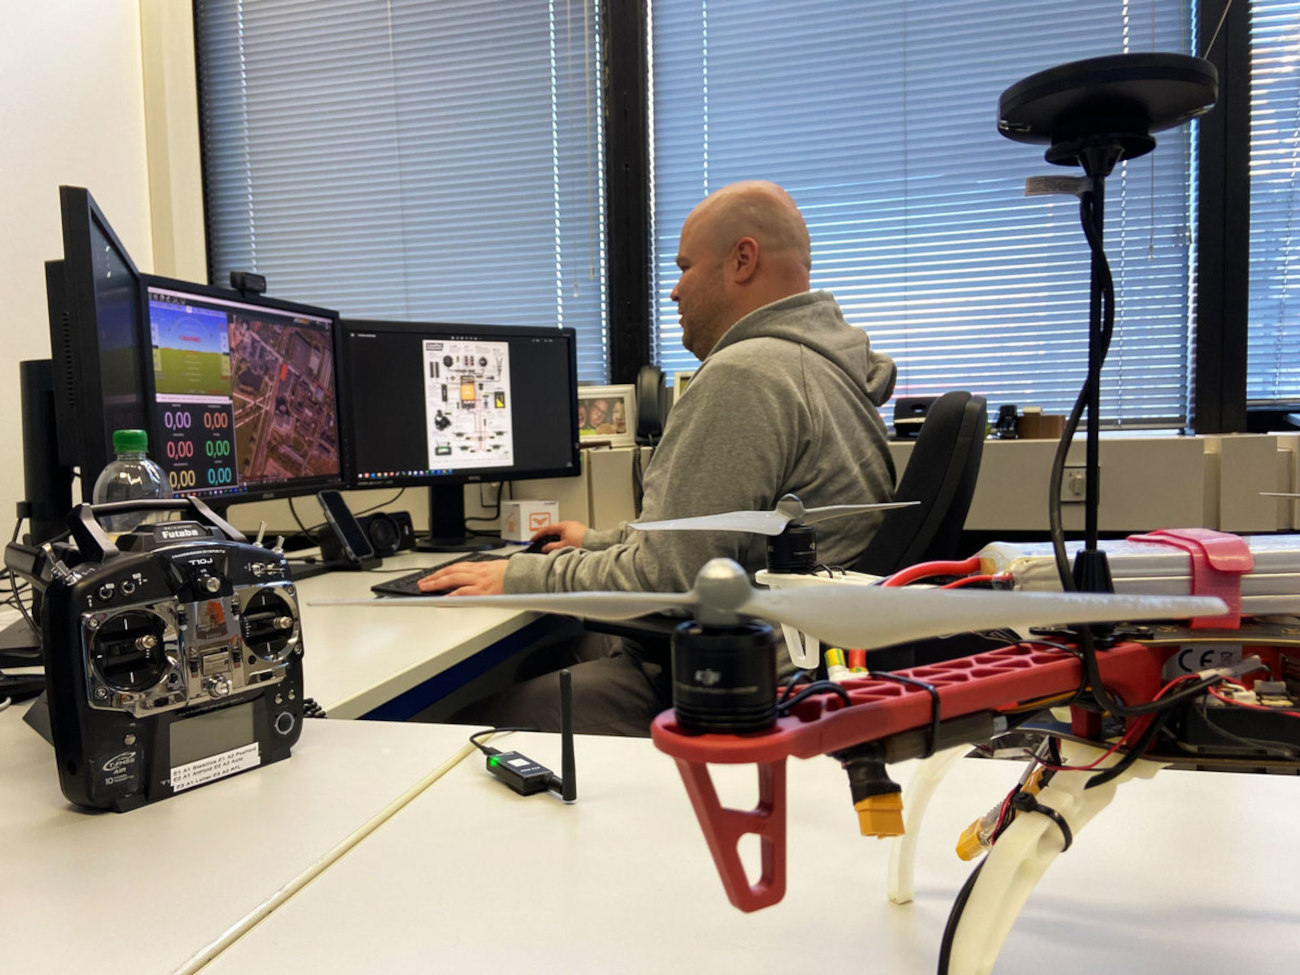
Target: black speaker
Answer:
pixel 909 414
pixel 389 531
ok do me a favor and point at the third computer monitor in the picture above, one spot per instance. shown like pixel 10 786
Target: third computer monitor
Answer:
pixel 444 405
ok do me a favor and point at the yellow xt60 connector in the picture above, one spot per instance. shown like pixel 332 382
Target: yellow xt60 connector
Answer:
pixel 881 815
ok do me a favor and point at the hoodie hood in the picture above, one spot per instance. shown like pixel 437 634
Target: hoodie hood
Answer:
pixel 814 319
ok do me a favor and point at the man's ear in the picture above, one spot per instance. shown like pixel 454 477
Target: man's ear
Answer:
pixel 744 259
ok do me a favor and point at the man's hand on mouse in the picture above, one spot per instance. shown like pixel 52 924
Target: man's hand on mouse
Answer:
pixel 467 579
pixel 488 578
pixel 570 535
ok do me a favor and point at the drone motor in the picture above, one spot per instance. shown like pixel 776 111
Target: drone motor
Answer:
pixel 724 678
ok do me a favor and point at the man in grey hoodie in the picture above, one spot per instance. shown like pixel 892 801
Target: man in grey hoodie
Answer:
pixel 784 402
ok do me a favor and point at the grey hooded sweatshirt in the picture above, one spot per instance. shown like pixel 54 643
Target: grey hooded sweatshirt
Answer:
pixel 784 404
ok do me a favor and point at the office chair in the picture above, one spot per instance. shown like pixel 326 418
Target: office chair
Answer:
pixel 941 475
pixel 651 412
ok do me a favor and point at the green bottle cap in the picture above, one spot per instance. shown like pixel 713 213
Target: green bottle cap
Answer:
pixel 130 441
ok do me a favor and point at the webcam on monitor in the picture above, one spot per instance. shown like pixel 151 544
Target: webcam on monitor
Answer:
pixel 247 283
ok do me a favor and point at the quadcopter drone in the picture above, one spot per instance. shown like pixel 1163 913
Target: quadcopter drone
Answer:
pixel 728 709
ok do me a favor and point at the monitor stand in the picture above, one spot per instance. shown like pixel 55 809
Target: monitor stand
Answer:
pixel 447 523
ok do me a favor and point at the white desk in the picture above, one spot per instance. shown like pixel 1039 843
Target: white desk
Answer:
pixel 1191 872
pixel 141 892
pixel 356 659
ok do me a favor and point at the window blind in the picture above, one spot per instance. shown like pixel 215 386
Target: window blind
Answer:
pixel 400 159
pixel 1273 343
pixel 879 117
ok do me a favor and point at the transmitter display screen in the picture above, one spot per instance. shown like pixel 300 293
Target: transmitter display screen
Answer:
pixel 211 734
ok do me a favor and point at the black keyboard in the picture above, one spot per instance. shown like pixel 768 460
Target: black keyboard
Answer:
pixel 407 585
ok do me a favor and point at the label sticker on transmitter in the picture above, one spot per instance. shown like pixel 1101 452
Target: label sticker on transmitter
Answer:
pixel 215 767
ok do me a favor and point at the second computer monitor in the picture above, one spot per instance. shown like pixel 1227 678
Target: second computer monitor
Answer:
pixel 243 391
pixel 443 405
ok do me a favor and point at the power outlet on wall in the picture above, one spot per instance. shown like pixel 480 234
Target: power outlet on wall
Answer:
pixel 1074 485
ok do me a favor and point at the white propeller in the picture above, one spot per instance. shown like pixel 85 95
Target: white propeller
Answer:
pixel 846 616
pixel 788 511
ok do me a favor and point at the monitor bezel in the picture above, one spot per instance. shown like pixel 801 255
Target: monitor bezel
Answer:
pixel 290 489
pixel 479 475
pixel 75 338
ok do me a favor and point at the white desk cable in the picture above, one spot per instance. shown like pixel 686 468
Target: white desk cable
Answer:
pixel 201 958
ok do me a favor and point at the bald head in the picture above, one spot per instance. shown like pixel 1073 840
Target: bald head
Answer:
pixel 745 246
pixel 763 211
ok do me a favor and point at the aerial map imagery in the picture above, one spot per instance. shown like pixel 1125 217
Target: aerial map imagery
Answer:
pixel 283 395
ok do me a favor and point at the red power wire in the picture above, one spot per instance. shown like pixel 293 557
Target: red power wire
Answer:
pixel 925 570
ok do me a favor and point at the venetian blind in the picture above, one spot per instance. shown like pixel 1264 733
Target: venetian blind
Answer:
pixel 400 159
pixel 879 118
pixel 1273 370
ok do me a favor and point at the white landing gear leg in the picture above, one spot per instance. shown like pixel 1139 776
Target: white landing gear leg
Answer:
pixel 805 650
pixel 1023 853
pixel 902 852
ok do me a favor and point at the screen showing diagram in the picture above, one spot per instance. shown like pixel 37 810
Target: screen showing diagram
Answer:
pixel 466 403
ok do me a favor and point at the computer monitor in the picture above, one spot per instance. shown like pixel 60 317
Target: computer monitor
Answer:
pixel 444 405
pixel 243 393
pixel 97 359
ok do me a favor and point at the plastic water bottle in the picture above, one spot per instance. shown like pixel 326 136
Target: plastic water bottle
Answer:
pixel 131 476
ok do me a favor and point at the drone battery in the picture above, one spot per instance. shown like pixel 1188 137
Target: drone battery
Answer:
pixel 1148 568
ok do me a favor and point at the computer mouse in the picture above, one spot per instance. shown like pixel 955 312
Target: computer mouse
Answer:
pixel 535 547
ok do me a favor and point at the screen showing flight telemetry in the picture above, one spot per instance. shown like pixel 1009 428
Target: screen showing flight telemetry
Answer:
pixel 244 394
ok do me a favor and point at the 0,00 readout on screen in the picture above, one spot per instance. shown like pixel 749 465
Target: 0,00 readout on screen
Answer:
pixel 198 451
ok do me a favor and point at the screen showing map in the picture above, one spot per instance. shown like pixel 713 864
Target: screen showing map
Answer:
pixel 244 395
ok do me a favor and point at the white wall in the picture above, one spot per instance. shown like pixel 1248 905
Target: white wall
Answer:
pixel 71 112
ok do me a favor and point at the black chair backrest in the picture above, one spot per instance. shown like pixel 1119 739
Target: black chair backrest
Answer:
pixel 941 475
pixel 651 405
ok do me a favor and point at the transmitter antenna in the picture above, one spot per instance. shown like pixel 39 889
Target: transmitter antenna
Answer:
pixel 568 770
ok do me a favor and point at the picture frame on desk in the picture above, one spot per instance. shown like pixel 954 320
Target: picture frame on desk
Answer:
pixel 607 415
pixel 680 381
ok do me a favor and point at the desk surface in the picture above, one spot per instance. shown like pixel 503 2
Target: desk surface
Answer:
pixel 357 658
pixel 1189 872
pixel 140 892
